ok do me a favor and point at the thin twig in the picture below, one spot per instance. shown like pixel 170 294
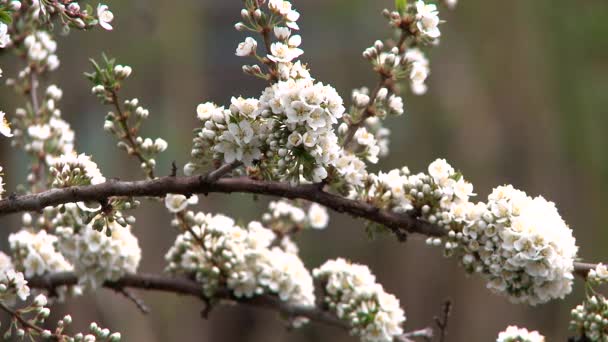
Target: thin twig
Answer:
pixel 139 303
pixel 25 323
pixel 426 334
pixel 442 321
pixel 221 171
pixel 128 135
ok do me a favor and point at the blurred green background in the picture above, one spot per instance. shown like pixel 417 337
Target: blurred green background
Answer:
pixel 518 94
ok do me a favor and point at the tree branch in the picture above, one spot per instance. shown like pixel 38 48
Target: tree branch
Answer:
pixel 398 223
pixel 183 286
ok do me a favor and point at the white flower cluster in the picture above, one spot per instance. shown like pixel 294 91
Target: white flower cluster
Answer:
pixel 427 20
pixel 103 255
pixel 590 319
pixel 351 168
pixel 520 244
pixel 44 133
pixel 55 137
pixel 352 293
pixel 515 334
pixel 285 215
pixel 418 70
pixel 105 17
pixel 233 134
pixel 532 257
pixel 5 128
pixel 222 254
pixel 41 50
pixel 176 203
pixel 598 275
pixel 298 112
pixel 284 9
pixel 5 38
pixel 303 114
pixel 12 284
pixel 71 169
pixel 35 253
pixel 368 142
pixel 381 134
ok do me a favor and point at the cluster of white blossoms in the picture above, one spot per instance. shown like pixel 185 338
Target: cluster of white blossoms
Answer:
pixel 598 275
pixel 35 253
pixel 290 126
pixel 105 17
pixel 5 38
pixel 418 70
pixel 44 133
pixel 98 256
pixel 233 133
pixel 284 9
pixel 13 286
pixel 220 254
pixel 520 244
pixel 427 20
pixel 41 50
pixel 286 216
pixel 515 334
pixel 71 169
pixel 352 293
pixel 12 283
pixel 532 257
pixel 302 114
pixel 5 128
pixel 176 203
pixel 590 319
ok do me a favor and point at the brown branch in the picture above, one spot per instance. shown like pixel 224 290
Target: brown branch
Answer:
pixel 398 223
pixel 188 287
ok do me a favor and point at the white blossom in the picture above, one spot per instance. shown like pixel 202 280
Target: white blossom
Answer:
pixel 105 17
pixel 515 334
pixel 97 257
pixel 5 38
pixel 351 292
pixel 318 216
pixel 244 256
pixel 176 203
pixel 35 253
pixel 71 169
pixel 427 19
pixel 246 48
pixel 5 128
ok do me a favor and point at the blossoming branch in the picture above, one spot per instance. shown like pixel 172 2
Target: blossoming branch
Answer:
pixel 299 141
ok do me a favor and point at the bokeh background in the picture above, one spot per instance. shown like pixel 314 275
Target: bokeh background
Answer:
pixel 518 94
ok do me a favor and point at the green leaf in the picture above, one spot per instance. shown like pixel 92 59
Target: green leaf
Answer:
pixel 400 5
pixel 5 17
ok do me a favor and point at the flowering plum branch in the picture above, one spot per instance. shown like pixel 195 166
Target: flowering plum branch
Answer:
pixel 298 141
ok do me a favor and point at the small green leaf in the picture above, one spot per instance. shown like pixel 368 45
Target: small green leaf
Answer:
pixel 400 5
pixel 5 17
